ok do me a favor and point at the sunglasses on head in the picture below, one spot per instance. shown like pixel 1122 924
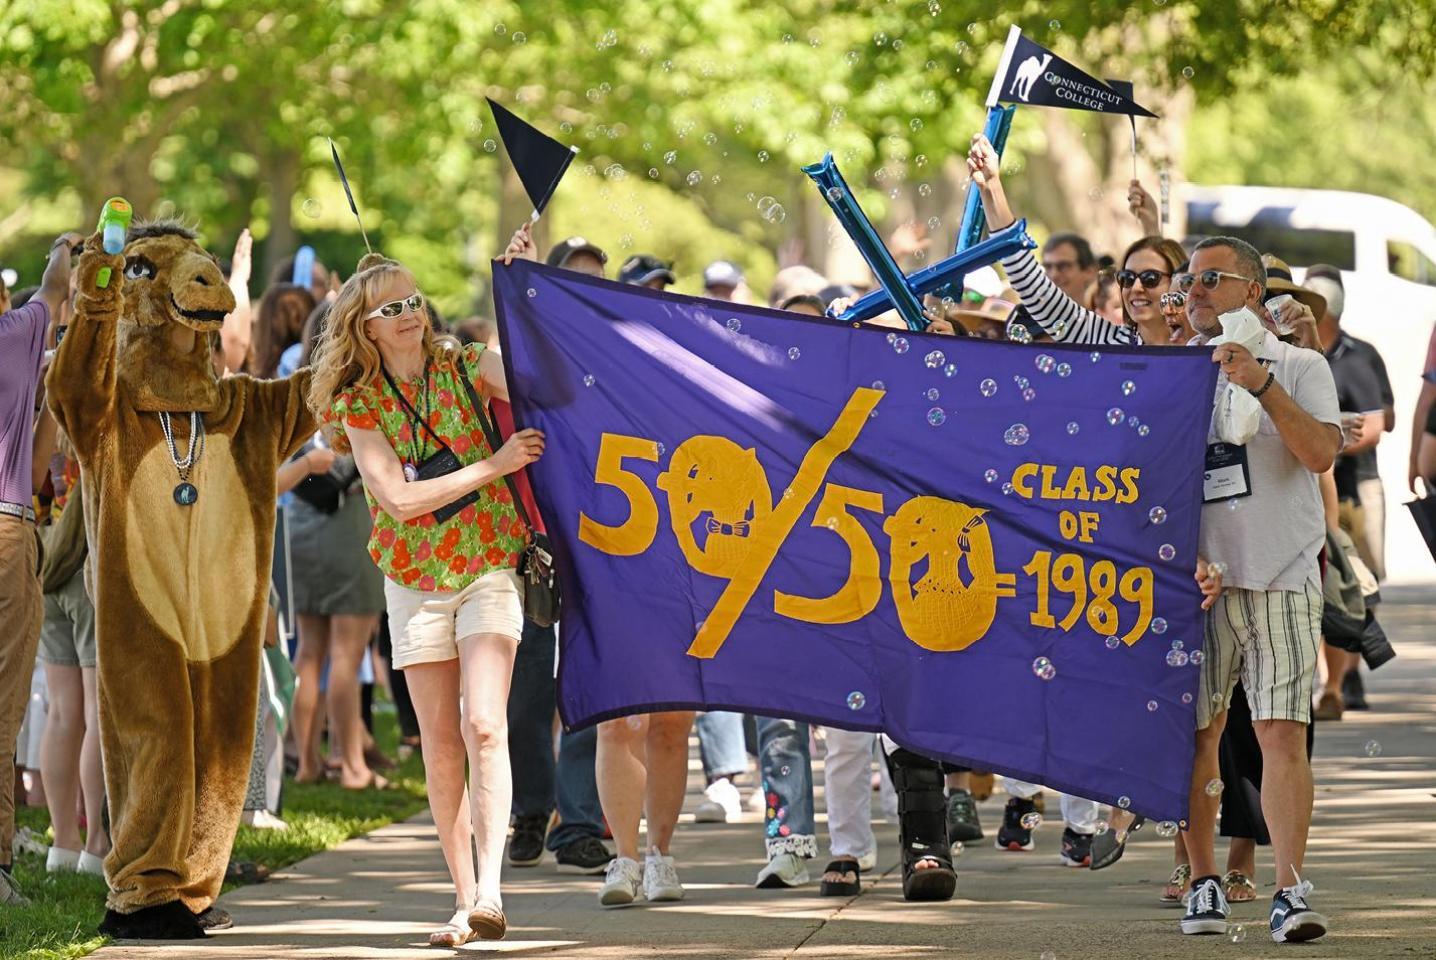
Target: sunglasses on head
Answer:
pixel 1149 278
pixel 392 309
pixel 1209 279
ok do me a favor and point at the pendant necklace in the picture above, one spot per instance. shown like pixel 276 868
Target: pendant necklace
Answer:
pixel 185 493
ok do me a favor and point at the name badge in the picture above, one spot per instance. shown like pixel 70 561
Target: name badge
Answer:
pixel 1226 476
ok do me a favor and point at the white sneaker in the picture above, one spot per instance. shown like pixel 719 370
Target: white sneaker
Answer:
pixel 721 803
pixel 784 870
pixel 660 878
pixel 62 861
pixel 622 883
pixel 868 862
pixel 264 820
pixel 91 864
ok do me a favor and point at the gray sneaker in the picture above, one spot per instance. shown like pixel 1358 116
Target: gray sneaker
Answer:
pixel 962 823
pixel 10 895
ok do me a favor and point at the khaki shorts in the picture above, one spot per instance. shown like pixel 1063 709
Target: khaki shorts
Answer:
pixel 1267 639
pixel 68 637
pixel 426 626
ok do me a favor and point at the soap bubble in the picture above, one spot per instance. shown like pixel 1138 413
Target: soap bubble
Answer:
pixel 856 700
pixel 1115 416
pixel 1128 388
pixel 734 324
pixel 490 146
pixel 695 178
pixel 950 370
pixel 932 394
pixel 1151 706
pixel 1178 645
pixel 1007 489
pixel 1124 802
pixel 1055 25
pixel 1159 626
pixel 762 156
pixel 588 379
pixel 1018 333
pixel 520 38
pixel 879 385
pixel 1372 748
pixel 794 353
pixel 1045 363
pixel 1064 369
pixel 1016 435
pixel 1213 787
pixel 1236 931
pixel 1112 643
pixel 1031 821
pixel 500 29
pixel 1167 829
pixel 1176 658
pixel 1186 698
pixel 784 770
pixel 1188 72
pixel 990 475
pixel 671 157
pixel 1021 381
pixel 934 359
pixel 775 214
pixel 900 345
pixel 1029 394
pixel 662 449
pixel 987 387
pixel 312 208
pixel 1094 356
pixel 532 292
pixel 891 336
pixel 1167 552
pixel 1143 430
pixel 1157 515
pixel 1043 668
pixel 936 417
pixel 1072 428
pixel 835 194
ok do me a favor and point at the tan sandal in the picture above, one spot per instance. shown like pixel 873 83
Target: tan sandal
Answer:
pixel 455 933
pixel 1178 884
pixel 487 920
pixel 1238 887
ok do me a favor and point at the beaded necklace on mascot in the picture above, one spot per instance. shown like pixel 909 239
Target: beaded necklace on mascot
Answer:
pixel 185 492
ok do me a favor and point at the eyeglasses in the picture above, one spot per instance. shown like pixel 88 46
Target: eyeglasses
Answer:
pixel 1209 278
pixel 1149 278
pixel 392 309
pixel 1058 266
pixel 1173 301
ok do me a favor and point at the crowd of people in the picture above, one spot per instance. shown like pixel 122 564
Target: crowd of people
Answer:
pixel 407 514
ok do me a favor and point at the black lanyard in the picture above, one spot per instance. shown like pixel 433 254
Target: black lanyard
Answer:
pixel 418 424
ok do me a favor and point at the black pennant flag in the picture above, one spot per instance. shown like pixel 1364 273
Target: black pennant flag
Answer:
pixel 1032 74
pixel 538 159
pixel 339 166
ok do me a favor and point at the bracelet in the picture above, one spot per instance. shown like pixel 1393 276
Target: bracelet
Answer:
pixel 1270 379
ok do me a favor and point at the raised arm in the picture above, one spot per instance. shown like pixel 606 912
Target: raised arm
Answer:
pixel 1064 319
pixel 80 386
pixel 235 334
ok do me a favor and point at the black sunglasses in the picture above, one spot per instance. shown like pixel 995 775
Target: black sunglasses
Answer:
pixel 1149 278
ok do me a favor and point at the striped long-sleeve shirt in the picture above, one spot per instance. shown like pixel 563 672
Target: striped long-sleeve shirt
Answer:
pixel 1064 319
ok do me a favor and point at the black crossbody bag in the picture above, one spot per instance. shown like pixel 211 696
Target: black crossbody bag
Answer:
pixel 542 597
pixel 440 464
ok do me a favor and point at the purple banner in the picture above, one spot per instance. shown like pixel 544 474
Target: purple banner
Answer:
pixel 983 549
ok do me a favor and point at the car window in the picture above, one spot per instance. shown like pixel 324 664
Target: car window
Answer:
pixel 1270 231
pixel 1409 263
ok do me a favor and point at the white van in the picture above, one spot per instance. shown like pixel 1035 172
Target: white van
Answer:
pixel 1387 256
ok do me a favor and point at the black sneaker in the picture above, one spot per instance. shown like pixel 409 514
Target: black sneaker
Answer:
pixel 584 855
pixel 1353 690
pixel 962 823
pixel 1012 835
pixel 1207 909
pixel 1076 848
pixel 1292 921
pixel 526 844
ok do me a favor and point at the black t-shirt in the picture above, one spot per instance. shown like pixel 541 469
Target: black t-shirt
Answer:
pixel 1362 387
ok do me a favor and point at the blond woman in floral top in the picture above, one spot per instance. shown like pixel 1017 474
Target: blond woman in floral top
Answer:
pixel 448 546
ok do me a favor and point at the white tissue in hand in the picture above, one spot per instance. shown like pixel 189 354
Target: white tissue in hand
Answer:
pixel 1237 414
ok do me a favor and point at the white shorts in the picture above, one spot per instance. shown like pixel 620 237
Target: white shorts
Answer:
pixel 426 626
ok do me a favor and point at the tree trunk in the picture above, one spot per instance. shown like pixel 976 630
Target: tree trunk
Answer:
pixel 280 174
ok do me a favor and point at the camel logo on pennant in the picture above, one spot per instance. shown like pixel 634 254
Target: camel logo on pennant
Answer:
pixel 1026 75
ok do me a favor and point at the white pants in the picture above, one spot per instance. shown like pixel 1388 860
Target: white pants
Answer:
pixel 848 787
pixel 1079 814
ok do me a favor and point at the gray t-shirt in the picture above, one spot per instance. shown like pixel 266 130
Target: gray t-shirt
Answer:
pixel 1270 540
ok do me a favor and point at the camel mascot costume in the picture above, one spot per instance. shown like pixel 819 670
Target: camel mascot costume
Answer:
pixel 179 482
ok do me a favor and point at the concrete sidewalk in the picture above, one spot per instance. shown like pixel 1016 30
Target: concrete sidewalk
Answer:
pixel 1372 858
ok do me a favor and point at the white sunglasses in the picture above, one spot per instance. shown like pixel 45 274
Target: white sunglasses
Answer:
pixel 394 308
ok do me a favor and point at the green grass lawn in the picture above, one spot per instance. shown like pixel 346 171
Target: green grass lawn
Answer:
pixel 66 908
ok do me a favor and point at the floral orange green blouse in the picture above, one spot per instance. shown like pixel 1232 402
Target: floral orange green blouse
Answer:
pixel 484 536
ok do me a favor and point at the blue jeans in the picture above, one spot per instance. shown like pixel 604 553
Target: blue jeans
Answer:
pixel 787 770
pixel 720 744
pixel 539 783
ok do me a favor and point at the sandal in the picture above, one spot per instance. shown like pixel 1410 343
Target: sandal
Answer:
pixel 455 933
pixel 375 782
pixel 487 920
pixel 1238 887
pixel 1109 845
pixel 922 827
pixel 842 888
pixel 1178 883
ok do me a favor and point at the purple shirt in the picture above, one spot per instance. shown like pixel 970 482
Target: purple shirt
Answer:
pixel 22 342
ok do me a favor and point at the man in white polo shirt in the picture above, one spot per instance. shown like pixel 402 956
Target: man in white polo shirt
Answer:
pixel 1265 523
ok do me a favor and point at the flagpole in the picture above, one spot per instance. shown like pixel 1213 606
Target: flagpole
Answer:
pixel 995 91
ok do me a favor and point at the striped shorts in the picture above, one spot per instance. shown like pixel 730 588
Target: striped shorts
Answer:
pixel 1268 639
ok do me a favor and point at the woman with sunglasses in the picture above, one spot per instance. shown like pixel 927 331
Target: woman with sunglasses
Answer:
pixel 448 540
pixel 1145 275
